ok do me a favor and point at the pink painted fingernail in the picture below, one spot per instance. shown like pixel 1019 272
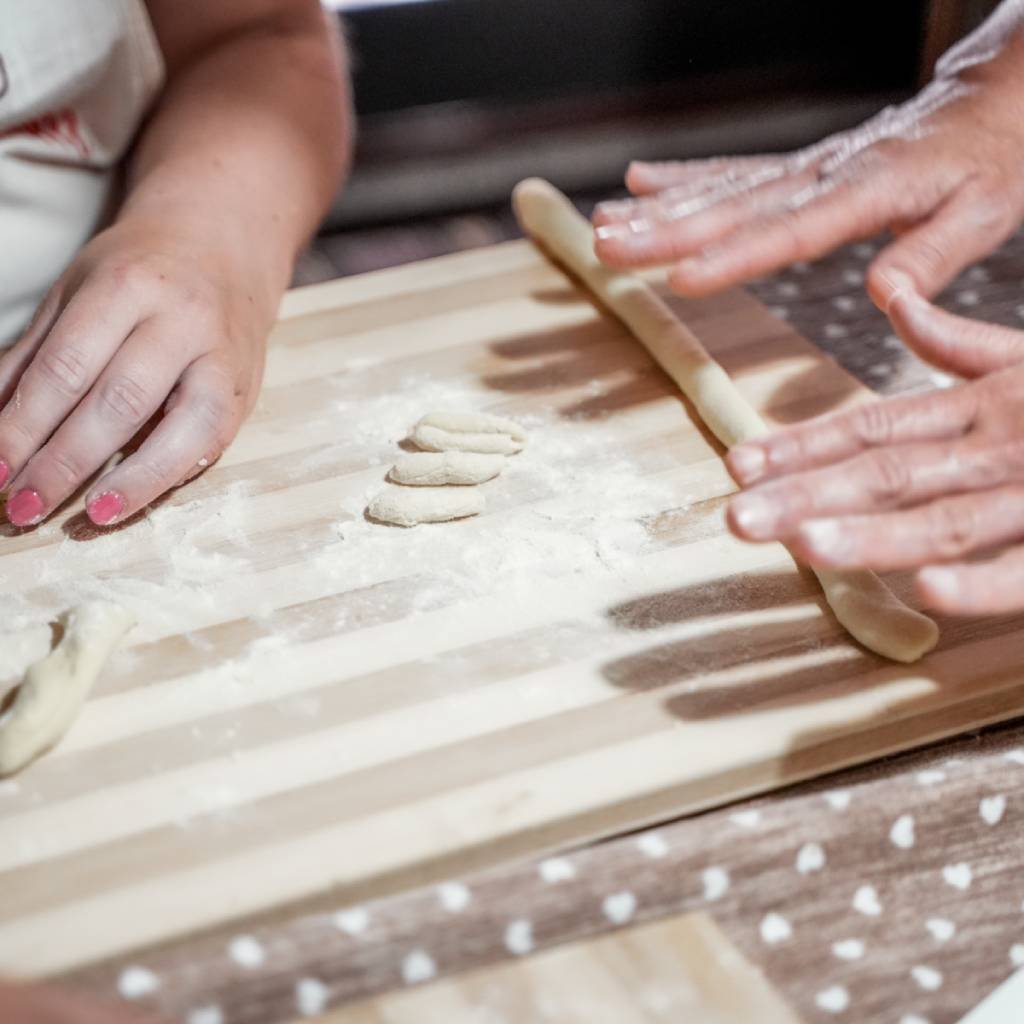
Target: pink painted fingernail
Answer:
pixel 5 472
pixel 25 508
pixel 105 508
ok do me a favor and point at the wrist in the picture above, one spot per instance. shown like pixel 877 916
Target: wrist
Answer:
pixel 234 246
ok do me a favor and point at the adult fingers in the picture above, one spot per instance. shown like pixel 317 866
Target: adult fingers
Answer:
pixel 874 481
pixel 645 178
pixel 678 223
pixel 927 256
pixel 936 416
pixel 940 531
pixel 825 216
pixel 202 420
pixel 970 348
pixel 993 587
pixel 129 391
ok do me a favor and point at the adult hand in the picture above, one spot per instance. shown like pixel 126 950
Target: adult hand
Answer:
pixel 942 172
pixel 920 482
pixel 151 316
pixel 24 1004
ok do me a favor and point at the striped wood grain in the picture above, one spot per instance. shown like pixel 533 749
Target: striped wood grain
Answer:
pixel 215 777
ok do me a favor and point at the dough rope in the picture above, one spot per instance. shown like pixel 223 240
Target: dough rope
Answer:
pixel 862 603
pixel 54 688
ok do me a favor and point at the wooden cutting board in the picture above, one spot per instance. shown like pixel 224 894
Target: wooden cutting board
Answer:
pixel 314 704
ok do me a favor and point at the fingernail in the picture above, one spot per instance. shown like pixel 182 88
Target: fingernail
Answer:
pixel 612 231
pixel 105 508
pixel 25 508
pixel 899 285
pixel 5 472
pixel 613 208
pixel 826 538
pixel 942 582
pixel 623 230
pixel 755 515
pixel 748 463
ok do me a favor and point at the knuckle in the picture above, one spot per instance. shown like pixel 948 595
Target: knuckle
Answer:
pixel 215 413
pixel 988 468
pixel 147 478
pixel 129 275
pixel 788 226
pixel 64 369
pixel 124 399
pixel 872 424
pixel 992 207
pixel 64 466
pixel 889 477
pixel 953 527
pixel 929 255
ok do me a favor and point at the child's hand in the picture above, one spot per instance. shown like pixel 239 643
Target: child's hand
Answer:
pixel 163 316
pixel 155 318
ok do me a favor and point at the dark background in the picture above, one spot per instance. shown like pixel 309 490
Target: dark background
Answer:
pixel 460 99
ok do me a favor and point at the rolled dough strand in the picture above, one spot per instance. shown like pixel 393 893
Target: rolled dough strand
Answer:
pixel 54 689
pixel 862 603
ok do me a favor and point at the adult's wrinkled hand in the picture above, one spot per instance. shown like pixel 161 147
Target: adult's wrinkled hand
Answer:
pixel 943 172
pixel 920 482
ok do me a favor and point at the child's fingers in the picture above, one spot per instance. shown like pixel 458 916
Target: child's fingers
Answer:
pixel 200 423
pixel 61 371
pixel 129 391
pixel 19 355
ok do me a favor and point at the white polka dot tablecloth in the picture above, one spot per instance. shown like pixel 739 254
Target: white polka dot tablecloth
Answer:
pixel 891 893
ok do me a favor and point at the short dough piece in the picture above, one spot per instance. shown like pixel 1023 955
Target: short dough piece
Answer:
pixel 410 506
pixel 431 468
pixel 468 432
pixel 862 603
pixel 54 689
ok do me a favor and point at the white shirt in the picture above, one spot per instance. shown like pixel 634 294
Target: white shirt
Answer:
pixel 76 79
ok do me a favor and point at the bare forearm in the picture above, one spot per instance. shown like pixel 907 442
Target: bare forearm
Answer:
pixel 253 136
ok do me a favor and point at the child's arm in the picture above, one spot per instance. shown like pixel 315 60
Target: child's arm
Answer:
pixel 228 178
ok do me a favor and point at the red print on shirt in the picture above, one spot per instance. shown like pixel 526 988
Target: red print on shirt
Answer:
pixel 59 127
